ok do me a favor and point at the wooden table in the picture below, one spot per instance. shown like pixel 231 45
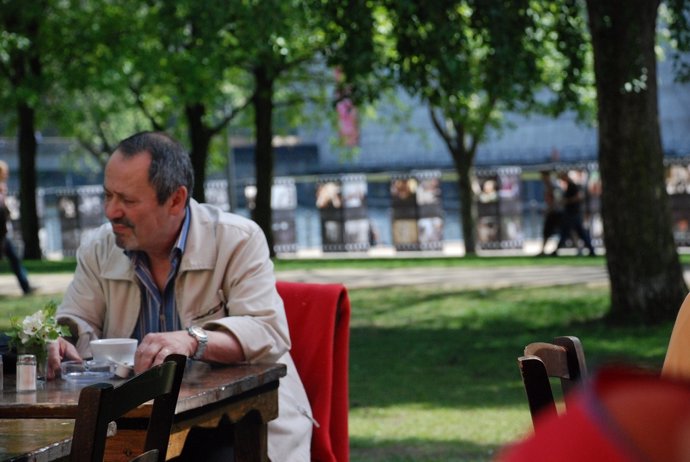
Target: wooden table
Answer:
pixel 246 394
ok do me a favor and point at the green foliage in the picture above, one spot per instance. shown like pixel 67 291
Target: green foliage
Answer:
pixel 37 329
pixel 472 60
pixel 677 15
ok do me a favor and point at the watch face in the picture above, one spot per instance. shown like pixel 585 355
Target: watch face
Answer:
pixel 199 333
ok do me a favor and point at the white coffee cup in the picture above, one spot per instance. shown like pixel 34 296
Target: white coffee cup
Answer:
pixel 117 350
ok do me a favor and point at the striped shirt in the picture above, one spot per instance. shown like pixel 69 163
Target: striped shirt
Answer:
pixel 158 308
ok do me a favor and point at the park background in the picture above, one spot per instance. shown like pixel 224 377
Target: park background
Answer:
pixel 92 72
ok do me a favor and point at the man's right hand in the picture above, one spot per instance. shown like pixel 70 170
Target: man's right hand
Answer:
pixel 57 352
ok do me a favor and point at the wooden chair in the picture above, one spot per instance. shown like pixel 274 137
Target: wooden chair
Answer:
pixel 102 403
pixel 563 359
pixel 319 319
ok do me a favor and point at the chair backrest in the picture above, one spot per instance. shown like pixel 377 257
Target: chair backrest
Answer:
pixel 563 359
pixel 102 403
pixel 319 320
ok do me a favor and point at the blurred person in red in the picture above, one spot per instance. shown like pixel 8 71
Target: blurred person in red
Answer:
pixel 622 415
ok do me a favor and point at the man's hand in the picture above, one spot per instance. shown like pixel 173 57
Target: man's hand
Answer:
pixel 155 347
pixel 222 348
pixel 57 351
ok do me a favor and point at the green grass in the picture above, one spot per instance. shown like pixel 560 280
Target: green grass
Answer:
pixel 433 372
pixel 434 377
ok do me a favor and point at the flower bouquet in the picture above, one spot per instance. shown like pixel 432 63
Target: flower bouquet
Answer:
pixel 32 334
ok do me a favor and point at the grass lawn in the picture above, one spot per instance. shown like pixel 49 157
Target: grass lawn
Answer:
pixel 434 377
pixel 433 372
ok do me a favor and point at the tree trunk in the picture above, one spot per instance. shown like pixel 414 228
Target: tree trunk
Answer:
pixel 200 139
pixel 463 167
pixel 27 148
pixel 263 153
pixel 646 276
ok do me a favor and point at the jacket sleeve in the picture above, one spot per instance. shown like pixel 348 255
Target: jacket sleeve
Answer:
pixel 255 312
pixel 83 305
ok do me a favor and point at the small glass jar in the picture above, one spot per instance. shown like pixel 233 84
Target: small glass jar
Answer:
pixel 26 373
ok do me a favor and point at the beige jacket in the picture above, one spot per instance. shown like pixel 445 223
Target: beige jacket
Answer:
pixel 225 281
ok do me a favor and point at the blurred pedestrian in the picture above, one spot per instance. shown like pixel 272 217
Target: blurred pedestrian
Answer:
pixel 572 221
pixel 553 213
pixel 6 247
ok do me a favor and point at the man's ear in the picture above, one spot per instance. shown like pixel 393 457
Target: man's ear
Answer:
pixel 178 200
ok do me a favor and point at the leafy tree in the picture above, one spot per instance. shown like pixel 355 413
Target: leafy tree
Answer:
pixel 470 61
pixel 287 47
pixel 646 276
pixel 193 51
pixel 25 76
pixel 94 102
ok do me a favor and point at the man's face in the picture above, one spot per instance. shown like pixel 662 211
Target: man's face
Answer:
pixel 138 221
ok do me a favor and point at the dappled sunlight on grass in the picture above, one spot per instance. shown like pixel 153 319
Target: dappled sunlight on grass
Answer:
pixel 433 372
pixel 437 433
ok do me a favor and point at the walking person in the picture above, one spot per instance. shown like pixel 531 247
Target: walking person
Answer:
pixel 6 247
pixel 553 213
pixel 573 197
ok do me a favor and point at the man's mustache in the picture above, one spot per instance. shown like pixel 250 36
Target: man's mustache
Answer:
pixel 123 222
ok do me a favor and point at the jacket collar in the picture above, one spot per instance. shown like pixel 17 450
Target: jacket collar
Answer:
pixel 200 252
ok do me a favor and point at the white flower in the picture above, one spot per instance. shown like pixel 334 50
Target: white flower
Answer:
pixel 36 329
pixel 33 324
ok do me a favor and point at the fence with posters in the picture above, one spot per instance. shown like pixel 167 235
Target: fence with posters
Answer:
pixel 342 205
pixel 417 210
pixel 499 208
pixel 407 207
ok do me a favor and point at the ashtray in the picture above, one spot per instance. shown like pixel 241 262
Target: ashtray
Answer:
pixel 87 371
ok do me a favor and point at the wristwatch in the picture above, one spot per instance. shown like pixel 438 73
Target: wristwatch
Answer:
pixel 202 340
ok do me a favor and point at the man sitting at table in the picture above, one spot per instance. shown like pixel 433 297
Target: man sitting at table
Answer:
pixel 181 277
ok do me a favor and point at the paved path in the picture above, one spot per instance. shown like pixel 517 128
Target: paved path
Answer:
pixel 458 277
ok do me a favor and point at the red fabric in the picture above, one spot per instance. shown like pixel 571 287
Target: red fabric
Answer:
pixel 623 415
pixel 319 319
pixel 575 437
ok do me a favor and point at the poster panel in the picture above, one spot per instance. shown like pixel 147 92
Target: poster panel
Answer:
pixel 284 204
pixel 510 208
pixel 329 202
pixel 355 214
pixel 678 189
pixel 430 216
pixel 91 210
pixel 68 212
pixel 216 192
pixel 485 186
pixel 499 208
pixel 403 190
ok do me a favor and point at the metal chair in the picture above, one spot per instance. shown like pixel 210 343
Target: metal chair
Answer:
pixel 102 403
pixel 563 359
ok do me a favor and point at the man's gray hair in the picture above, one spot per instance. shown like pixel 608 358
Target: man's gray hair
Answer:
pixel 171 166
